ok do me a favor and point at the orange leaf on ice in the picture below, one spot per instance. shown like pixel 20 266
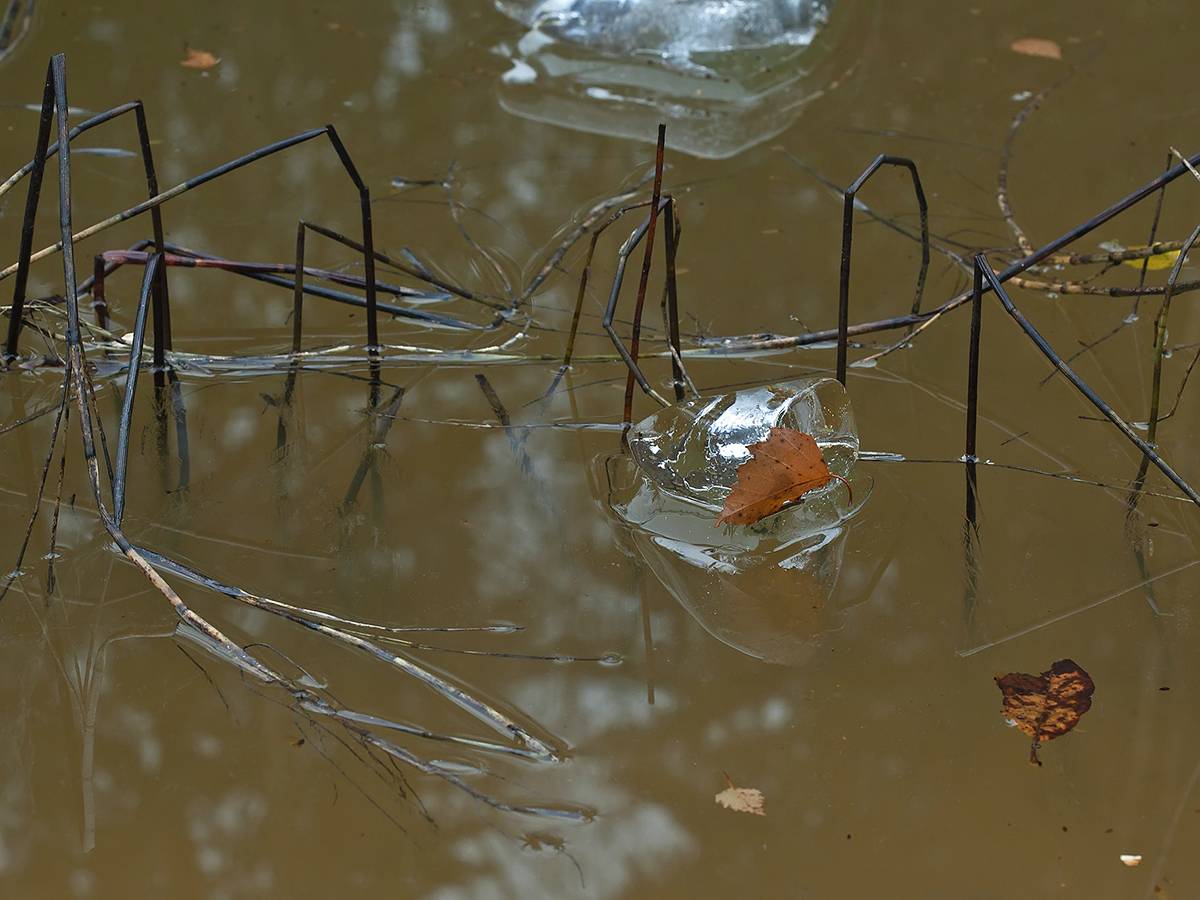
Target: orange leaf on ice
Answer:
pixel 780 470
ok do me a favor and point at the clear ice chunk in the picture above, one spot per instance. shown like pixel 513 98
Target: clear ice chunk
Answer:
pixel 676 29
pixel 723 74
pixel 759 588
pixel 693 450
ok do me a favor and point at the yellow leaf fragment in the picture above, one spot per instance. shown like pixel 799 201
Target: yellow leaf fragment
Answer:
pixel 1157 261
pixel 199 59
pixel 1037 47
pixel 747 800
pixel 1131 861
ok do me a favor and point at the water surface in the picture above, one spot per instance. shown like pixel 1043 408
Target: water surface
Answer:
pixel 136 763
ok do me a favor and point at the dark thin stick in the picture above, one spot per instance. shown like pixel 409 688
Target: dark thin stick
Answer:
pixel 671 231
pixel 99 302
pixel 494 401
pixel 131 382
pixel 24 260
pixel 994 280
pixel 368 239
pixel 162 306
pixel 848 236
pixel 973 361
pixel 635 336
pixel 147 205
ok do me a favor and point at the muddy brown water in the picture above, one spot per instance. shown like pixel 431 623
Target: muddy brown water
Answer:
pixel 134 763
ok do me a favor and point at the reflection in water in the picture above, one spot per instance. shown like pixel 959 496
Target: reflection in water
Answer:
pixel 635 841
pixel 724 75
pixel 631 839
pixel 217 829
pixel 763 588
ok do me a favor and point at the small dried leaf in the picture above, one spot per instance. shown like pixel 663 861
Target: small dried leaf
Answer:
pixel 1037 47
pixel 780 470
pixel 1131 861
pixel 747 800
pixel 1049 705
pixel 199 59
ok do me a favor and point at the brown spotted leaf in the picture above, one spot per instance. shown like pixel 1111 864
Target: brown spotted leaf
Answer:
pixel 1049 705
pixel 780 470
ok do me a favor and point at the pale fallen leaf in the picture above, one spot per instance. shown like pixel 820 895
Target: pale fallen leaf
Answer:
pixel 1037 47
pixel 1131 861
pixel 199 59
pixel 747 800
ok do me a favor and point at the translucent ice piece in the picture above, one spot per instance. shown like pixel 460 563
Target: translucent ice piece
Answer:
pixel 760 588
pixel 693 449
pixel 723 74
pixel 676 29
